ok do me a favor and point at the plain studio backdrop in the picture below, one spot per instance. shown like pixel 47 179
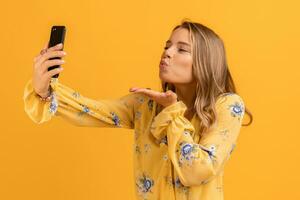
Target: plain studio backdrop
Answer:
pixel 114 45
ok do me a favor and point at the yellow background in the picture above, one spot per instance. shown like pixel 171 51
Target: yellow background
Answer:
pixel 114 45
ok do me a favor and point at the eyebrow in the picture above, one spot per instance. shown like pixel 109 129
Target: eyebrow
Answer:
pixel 180 42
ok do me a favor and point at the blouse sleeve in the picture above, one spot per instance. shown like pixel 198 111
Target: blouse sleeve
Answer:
pixel 197 163
pixel 78 109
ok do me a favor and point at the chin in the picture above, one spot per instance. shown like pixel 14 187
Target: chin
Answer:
pixel 165 78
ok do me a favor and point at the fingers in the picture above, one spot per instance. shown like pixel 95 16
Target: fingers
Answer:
pixel 50 63
pixel 168 93
pixel 171 95
pixel 50 54
pixel 56 47
pixel 52 72
pixel 135 88
pixel 163 98
pixel 147 91
pixel 132 89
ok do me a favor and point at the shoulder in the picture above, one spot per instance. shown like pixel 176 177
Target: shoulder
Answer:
pixel 229 97
pixel 231 103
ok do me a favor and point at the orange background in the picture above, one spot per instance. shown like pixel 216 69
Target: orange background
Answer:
pixel 114 45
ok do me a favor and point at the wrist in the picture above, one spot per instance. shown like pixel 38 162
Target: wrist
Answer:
pixel 45 96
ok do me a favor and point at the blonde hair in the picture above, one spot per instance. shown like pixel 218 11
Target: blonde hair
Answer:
pixel 210 70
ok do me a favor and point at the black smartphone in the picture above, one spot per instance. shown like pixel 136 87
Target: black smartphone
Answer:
pixel 57 36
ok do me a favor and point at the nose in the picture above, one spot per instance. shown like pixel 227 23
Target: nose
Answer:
pixel 167 53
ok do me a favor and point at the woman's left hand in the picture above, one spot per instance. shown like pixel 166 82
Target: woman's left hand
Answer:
pixel 163 98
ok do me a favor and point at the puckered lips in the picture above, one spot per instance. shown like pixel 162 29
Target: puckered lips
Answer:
pixel 163 64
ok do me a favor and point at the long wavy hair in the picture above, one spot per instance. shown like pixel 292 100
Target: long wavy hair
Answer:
pixel 210 70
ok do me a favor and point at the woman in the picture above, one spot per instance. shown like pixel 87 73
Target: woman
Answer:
pixel 184 134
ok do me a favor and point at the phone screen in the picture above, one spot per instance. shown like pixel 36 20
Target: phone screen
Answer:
pixel 57 36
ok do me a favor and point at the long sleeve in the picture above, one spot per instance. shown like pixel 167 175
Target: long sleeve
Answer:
pixel 197 163
pixel 78 109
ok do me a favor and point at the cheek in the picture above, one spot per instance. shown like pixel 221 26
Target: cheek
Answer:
pixel 183 62
pixel 182 67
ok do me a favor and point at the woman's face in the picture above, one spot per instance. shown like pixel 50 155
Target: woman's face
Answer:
pixel 178 58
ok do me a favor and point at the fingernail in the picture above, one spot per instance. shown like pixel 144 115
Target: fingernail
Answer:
pixel 59 44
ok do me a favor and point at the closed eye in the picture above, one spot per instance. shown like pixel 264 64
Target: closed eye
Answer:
pixel 179 49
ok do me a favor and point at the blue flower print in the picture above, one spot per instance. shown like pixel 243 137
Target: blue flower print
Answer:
pixel 125 103
pixel 180 186
pixel 138 115
pixel 115 119
pixel 136 149
pixel 186 149
pixel 53 104
pixel 165 156
pixel 187 133
pixel 144 185
pixel 169 180
pixel 76 94
pixel 164 140
pixel 140 99
pixel 147 184
pixel 147 147
pixel 176 184
pixel 187 153
pixel 150 104
pixel 136 134
pixel 237 110
pixel 224 134
pixel 84 110
pixel 211 150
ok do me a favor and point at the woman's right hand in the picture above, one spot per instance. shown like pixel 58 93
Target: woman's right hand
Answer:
pixel 41 75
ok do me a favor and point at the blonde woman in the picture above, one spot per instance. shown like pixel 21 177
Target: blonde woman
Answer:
pixel 184 133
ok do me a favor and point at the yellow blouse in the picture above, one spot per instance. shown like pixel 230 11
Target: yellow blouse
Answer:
pixel 171 161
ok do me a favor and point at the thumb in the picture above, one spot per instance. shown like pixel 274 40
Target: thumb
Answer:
pixel 46 45
pixel 168 93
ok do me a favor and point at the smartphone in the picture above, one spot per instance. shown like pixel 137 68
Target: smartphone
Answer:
pixel 57 36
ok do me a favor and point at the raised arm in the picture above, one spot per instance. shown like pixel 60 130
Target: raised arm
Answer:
pixel 69 103
pixel 79 110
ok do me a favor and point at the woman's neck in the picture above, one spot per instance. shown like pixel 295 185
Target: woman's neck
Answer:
pixel 187 94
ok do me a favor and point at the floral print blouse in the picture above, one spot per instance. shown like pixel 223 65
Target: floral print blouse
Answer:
pixel 171 160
